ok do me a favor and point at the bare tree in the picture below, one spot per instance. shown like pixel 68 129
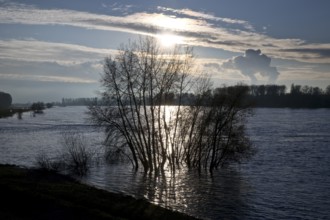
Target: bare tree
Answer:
pixel 217 132
pixel 138 82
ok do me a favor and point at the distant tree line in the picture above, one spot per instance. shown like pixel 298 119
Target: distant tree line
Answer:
pixel 78 101
pixel 267 96
pixel 275 96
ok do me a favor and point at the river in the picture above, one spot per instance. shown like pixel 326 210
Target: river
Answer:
pixel 288 178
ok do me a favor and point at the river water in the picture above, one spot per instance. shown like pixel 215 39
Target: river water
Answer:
pixel 288 178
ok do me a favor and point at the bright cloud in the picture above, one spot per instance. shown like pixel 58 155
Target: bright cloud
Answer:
pixel 207 16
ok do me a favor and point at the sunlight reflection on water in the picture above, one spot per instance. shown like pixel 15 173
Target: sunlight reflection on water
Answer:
pixel 186 191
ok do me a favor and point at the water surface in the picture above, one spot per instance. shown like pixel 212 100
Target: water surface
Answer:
pixel 289 177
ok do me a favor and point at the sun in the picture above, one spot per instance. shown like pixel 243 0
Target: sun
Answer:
pixel 169 40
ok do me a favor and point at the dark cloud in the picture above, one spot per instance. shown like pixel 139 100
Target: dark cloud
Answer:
pixel 324 53
pixel 251 63
pixel 226 43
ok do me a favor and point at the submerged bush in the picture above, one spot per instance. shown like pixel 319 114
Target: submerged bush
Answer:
pixel 44 162
pixel 74 157
pixel 76 154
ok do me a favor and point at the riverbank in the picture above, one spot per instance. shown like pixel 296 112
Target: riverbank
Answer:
pixel 36 194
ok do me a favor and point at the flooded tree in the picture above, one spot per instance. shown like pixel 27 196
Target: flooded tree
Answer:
pixel 216 128
pixel 37 107
pixel 138 84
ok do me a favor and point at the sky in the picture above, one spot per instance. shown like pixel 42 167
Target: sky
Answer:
pixel 55 49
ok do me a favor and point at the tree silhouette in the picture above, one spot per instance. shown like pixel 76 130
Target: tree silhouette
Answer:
pixel 5 100
pixel 139 82
pixel 38 107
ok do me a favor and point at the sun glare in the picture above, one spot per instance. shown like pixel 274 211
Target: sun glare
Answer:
pixel 169 22
pixel 169 40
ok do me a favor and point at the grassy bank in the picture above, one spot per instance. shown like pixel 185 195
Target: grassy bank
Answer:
pixel 35 194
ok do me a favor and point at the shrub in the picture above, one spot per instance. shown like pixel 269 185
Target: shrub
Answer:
pixel 74 157
pixel 44 162
pixel 77 157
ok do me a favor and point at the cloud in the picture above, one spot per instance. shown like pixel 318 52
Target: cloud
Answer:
pixel 125 9
pixel 87 72
pixel 251 63
pixel 41 51
pixel 207 16
pixel 319 52
pixel 47 61
pixel 43 78
pixel 197 28
pixel 212 66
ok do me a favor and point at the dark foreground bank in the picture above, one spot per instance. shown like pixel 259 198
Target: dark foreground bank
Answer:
pixel 36 194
